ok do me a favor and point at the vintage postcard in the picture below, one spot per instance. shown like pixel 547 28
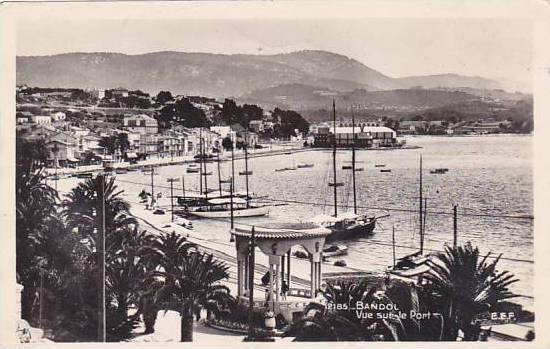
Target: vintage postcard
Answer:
pixel 230 172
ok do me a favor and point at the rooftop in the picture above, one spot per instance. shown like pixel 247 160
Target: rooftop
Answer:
pixel 283 231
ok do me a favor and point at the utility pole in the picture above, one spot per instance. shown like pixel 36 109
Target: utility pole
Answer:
pixel 246 165
pixel 420 221
pixel 101 328
pixel 41 309
pixel 172 180
pixel 233 144
pixel 251 261
pixel 152 184
pixel 334 159
pixel 393 243
pixel 231 205
pixel 353 163
pixel 200 161
pixel 219 173
pixel 183 186
pixel 455 226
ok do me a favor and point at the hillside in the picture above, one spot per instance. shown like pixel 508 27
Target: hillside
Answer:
pixel 218 75
pixel 304 97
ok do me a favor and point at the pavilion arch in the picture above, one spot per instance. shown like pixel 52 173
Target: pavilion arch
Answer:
pixel 275 241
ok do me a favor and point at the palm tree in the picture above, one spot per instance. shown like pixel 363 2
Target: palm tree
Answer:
pixel 189 282
pixel 36 218
pixel 464 284
pixel 127 269
pixel 82 206
pixel 332 324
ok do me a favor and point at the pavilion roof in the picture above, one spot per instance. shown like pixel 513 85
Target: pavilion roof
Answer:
pixel 283 231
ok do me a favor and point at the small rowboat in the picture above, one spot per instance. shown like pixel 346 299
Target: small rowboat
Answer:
pixel 439 171
pixel 388 170
pixel 335 250
pixel 305 165
pixel 380 165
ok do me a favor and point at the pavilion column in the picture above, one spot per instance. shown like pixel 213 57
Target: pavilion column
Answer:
pixel 277 286
pixel 282 269
pixel 245 271
pixel 288 268
pixel 274 262
pixel 242 262
pixel 315 273
pixel 312 278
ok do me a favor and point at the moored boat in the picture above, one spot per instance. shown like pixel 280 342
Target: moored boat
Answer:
pixel 335 250
pixel 305 165
pixel 221 208
pixel 439 171
pixel 347 225
pixel 193 168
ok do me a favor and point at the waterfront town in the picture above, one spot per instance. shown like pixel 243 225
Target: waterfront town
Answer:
pixel 86 127
pixel 161 273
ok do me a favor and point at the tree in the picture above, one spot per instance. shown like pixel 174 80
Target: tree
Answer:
pixel 231 112
pixel 36 219
pixel 82 206
pixel 126 271
pixel 463 285
pixel 343 324
pixel 184 113
pixel 227 144
pixel 190 281
pixel 250 112
pixel 164 96
pixel 289 121
pixel 342 321
pixel 115 142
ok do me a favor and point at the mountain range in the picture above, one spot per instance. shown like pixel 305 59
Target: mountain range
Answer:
pixel 245 77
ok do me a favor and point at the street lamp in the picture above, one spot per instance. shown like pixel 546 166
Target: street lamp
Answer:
pixel 172 180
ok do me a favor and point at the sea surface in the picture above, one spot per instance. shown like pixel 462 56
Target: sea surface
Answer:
pixel 489 177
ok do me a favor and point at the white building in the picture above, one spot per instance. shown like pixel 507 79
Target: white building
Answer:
pixel 59 116
pixel 41 119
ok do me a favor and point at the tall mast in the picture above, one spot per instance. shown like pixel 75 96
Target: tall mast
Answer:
pixel 200 161
pixel 246 164
pixel 353 163
pixel 334 159
pixel 219 173
pixel 421 201
pixel 233 162
pixel 205 173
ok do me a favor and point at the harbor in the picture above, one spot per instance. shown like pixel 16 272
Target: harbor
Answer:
pixel 489 217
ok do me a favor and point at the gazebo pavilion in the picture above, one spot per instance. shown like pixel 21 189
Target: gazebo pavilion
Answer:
pixel 276 241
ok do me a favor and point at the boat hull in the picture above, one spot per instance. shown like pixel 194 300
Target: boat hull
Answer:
pixel 246 212
pixel 353 231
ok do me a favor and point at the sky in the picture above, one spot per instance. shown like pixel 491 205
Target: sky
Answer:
pixel 492 48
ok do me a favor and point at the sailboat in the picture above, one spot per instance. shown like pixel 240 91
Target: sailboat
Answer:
pixel 413 265
pixel 232 205
pixel 347 225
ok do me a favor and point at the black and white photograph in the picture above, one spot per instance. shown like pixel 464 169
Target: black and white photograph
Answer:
pixel 200 173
